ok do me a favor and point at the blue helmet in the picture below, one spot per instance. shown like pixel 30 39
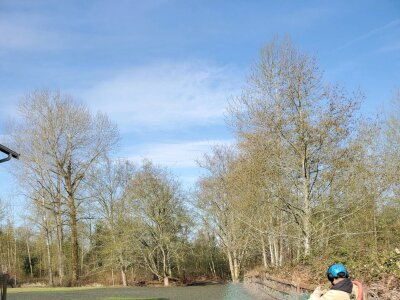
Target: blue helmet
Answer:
pixel 336 271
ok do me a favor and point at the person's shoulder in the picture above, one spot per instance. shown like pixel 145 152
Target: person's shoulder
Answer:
pixel 356 289
pixel 336 295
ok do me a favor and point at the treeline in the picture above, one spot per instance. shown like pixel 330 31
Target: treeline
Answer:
pixel 309 181
pixel 93 218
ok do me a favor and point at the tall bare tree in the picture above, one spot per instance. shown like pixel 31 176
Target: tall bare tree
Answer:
pixel 61 139
pixel 221 203
pixel 109 184
pixel 302 123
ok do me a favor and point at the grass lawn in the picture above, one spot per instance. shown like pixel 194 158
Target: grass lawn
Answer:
pixel 211 292
pixel 207 292
pixel 118 298
pixel 47 289
pixel 76 291
pixel 113 298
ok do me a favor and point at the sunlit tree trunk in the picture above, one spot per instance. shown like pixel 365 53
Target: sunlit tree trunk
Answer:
pixel 264 252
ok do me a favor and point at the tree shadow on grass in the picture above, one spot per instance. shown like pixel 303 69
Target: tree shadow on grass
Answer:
pixel 204 283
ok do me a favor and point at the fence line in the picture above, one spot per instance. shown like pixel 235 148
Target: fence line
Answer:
pixel 277 289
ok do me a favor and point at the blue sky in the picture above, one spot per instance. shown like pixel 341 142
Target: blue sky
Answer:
pixel 164 70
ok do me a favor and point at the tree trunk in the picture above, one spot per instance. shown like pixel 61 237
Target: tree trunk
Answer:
pixel 74 241
pixel 29 258
pixel 281 232
pixel 233 267
pixel 50 269
pixel 165 267
pixel 271 250
pixel 48 242
pixel 60 250
pixel 123 276
pixel 15 260
pixel 166 281
pixel 60 232
pixel 123 269
pixel 306 208
pixel 299 247
pixel 264 252
pixel 276 251
pixel 236 268
pixel 212 264
pixel 280 251
pixel 9 254
pixel 375 230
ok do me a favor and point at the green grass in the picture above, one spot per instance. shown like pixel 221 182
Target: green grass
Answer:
pixel 48 289
pixel 211 292
pixel 119 298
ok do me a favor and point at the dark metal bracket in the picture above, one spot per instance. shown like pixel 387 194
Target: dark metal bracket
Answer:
pixel 5 159
pixel 10 153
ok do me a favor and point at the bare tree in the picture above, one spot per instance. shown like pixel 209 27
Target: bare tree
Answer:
pixel 61 140
pixel 158 201
pixel 392 138
pixel 221 203
pixel 109 184
pixel 303 124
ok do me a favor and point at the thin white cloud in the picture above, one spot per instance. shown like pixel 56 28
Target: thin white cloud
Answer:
pixel 174 155
pixel 25 32
pixel 165 95
pixel 370 33
pixel 394 47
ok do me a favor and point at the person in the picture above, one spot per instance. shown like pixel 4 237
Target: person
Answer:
pixel 342 287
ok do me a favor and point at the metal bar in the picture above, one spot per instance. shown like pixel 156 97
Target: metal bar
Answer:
pixel 5 159
pixel 10 153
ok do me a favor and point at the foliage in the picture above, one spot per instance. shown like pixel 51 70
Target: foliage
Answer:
pixel 26 265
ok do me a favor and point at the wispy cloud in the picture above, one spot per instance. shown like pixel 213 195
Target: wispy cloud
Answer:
pixel 370 33
pixel 174 155
pixel 26 32
pixel 165 95
pixel 394 47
